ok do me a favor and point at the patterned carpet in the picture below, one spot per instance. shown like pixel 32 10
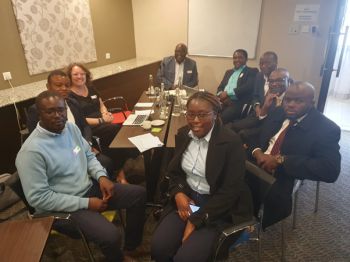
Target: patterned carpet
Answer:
pixel 322 236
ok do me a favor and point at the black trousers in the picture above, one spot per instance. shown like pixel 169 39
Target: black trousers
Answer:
pixel 105 234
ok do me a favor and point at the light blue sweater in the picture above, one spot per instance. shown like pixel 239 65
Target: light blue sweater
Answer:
pixel 56 169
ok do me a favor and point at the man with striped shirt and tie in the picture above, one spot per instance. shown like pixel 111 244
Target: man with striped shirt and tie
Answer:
pixel 295 142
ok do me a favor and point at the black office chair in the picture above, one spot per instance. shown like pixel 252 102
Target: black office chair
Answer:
pixel 16 186
pixel 260 183
pixel 118 106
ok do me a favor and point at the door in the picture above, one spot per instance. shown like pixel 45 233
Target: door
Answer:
pixel 334 99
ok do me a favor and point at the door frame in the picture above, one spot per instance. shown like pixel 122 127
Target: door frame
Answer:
pixel 327 67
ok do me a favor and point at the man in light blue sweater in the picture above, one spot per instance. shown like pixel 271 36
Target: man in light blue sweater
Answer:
pixel 59 173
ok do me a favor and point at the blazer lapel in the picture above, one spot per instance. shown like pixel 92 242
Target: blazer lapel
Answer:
pixel 215 163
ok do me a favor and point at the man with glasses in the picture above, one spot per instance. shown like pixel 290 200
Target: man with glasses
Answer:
pixel 58 82
pixel 279 81
pixel 59 173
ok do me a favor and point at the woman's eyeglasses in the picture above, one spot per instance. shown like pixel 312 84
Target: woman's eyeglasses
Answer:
pixel 200 116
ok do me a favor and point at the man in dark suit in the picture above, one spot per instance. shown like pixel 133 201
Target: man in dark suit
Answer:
pixel 236 88
pixel 296 142
pixel 278 82
pixel 268 63
pixel 178 69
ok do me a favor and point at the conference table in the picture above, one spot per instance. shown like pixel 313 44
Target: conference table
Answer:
pixel 152 157
pixel 156 159
pixel 24 240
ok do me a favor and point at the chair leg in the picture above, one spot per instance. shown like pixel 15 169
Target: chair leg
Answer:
pixel 317 196
pixel 259 240
pixel 283 242
pixel 295 201
pixel 86 245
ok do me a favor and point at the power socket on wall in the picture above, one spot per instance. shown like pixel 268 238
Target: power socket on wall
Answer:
pixel 7 75
pixel 294 29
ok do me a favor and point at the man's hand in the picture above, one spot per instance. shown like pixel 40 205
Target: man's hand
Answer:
pixel 95 151
pixel 270 163
pixel 183 205
pixel 267 162
pixel 257 109
pixel 267 103
pixel 97 204
pixel 107 187
pixel 188 230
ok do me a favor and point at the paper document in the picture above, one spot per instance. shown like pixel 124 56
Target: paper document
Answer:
pixel 144 104
pixel 145 142
pixel 143 112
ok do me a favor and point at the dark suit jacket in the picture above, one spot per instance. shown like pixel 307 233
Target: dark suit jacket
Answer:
pixel 33 118
pixel 166 72
pixel 259 92
pixel 245 84
pixel 311 152
pixel 225 170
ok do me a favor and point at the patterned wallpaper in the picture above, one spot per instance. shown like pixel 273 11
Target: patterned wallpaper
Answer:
pixel 55 33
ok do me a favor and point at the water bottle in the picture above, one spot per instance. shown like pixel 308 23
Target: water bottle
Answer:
pixel 163 103
pixel 150 85
pixel 177 102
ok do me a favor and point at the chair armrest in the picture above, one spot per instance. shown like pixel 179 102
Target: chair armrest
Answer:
pixel 58 215
pixel 235 228
pixel 259 172
pixel 115 98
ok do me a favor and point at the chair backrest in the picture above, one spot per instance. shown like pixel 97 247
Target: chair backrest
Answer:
pixel 16 186
pixel 259 182
pixel 119 107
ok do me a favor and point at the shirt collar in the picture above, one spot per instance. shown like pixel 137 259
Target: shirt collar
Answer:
pixel 240 68
pixel 206 137
pixel 47 132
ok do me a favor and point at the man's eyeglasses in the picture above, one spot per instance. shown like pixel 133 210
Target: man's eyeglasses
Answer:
pixel 200 116
pixel 279 80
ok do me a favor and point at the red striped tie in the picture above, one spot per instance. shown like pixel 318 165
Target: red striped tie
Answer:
pixel 278 143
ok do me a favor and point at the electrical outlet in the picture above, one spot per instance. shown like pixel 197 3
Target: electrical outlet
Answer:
pixel 108 56
pixel 294 29
pixel 7 75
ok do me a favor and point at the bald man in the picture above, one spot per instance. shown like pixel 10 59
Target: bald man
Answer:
pixel 178 69
pixel 309 149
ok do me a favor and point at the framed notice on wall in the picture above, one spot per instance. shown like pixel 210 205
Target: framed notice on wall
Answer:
pixel 218 27
pixel 55 33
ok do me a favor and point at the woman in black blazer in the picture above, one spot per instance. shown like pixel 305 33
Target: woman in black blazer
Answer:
pixel 207 171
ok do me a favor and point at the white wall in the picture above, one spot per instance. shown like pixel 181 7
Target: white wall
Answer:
pixel 161 24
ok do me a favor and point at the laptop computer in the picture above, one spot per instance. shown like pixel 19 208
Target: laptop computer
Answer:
pixel 135 120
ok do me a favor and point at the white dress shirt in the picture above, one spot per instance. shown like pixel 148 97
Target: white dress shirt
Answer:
pixel 194 163
pixel 179 72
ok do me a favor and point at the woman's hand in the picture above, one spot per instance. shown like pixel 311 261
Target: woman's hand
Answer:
pixel 188 230
pixel 107 117
pixel 183 205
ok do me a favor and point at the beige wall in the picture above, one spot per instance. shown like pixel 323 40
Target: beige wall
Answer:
pixel 113 30
pixel 160 24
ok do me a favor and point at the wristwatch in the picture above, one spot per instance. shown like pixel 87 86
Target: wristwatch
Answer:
pixel 280 159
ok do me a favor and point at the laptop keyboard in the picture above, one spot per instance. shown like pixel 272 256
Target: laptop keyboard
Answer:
pixel 139 119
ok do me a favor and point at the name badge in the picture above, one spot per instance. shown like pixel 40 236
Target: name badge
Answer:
pixel 189 71
pixel 76 150
pixel 94 97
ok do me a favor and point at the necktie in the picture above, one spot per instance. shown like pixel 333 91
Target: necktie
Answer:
pixel 277 146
